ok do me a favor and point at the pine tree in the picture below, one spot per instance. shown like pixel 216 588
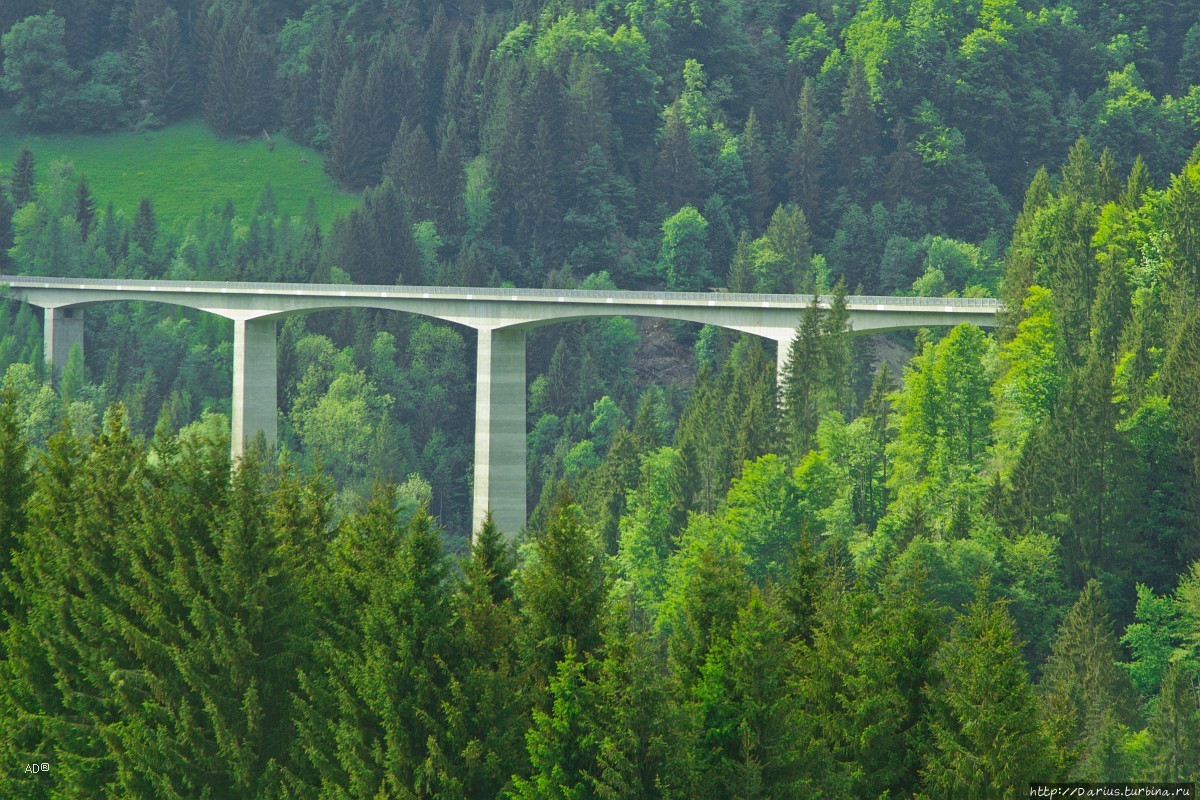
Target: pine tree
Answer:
pixel 22 186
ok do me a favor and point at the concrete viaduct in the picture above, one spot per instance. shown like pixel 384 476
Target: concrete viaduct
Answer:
pixel 500 316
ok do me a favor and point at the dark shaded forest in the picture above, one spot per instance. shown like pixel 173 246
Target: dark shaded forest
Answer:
pixel 938 580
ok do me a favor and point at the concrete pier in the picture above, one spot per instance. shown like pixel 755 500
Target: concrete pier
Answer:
pixel 255 383
pixel 783 348
pixel 63 328
pixel 500 430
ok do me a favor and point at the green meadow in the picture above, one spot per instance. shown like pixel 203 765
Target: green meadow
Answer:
pixel 184 169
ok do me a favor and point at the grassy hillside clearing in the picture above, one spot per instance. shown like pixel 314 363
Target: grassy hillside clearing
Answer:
pixel 184 169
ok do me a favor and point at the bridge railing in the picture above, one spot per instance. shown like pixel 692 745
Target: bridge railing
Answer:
pixel 485 293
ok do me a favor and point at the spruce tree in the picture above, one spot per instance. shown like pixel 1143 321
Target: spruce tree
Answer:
pixel 905 172
pixel 349 160
pixel 1136 185
pixel 803 374
pixel 560 750
pixel 753 149
pixel 1082 683
pixel 806 160
pixel 749 747
pixel 382 661
pixel 562 589
pixel 858 125
pixel 6 230
pixel 145 226
pixel 482 745
pixel 634 725
pixel 1022 266
pixel 85 207
pixel 15 488
pixel 22 186
pixel 836 355
pixel 1175 728
pixel 412 166
pixel 986 740
pixel 678 175
pixel 65 658
pixel 741 272
pixel 164 72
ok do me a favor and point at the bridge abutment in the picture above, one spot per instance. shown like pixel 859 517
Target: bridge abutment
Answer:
pixel 255 383
pixel 500 430
pixel 63 327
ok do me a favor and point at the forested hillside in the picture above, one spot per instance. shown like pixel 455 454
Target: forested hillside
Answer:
pixel 939 580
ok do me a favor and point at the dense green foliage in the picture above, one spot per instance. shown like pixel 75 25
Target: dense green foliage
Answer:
pixel 942 580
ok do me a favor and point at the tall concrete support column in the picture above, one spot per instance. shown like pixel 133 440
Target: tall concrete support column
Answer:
pixel 784 347
pixel 500 430
pixel 63 327
pixel 254 382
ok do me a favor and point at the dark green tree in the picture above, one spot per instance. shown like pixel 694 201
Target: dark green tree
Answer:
pixel 85 207
pixel 985 739
pixel 22 187
pixel 858 124
pixel 145 226
pixel 37 71
pixel 803 374
pixel 1082 686
pixel 563 592
pixel 165 77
